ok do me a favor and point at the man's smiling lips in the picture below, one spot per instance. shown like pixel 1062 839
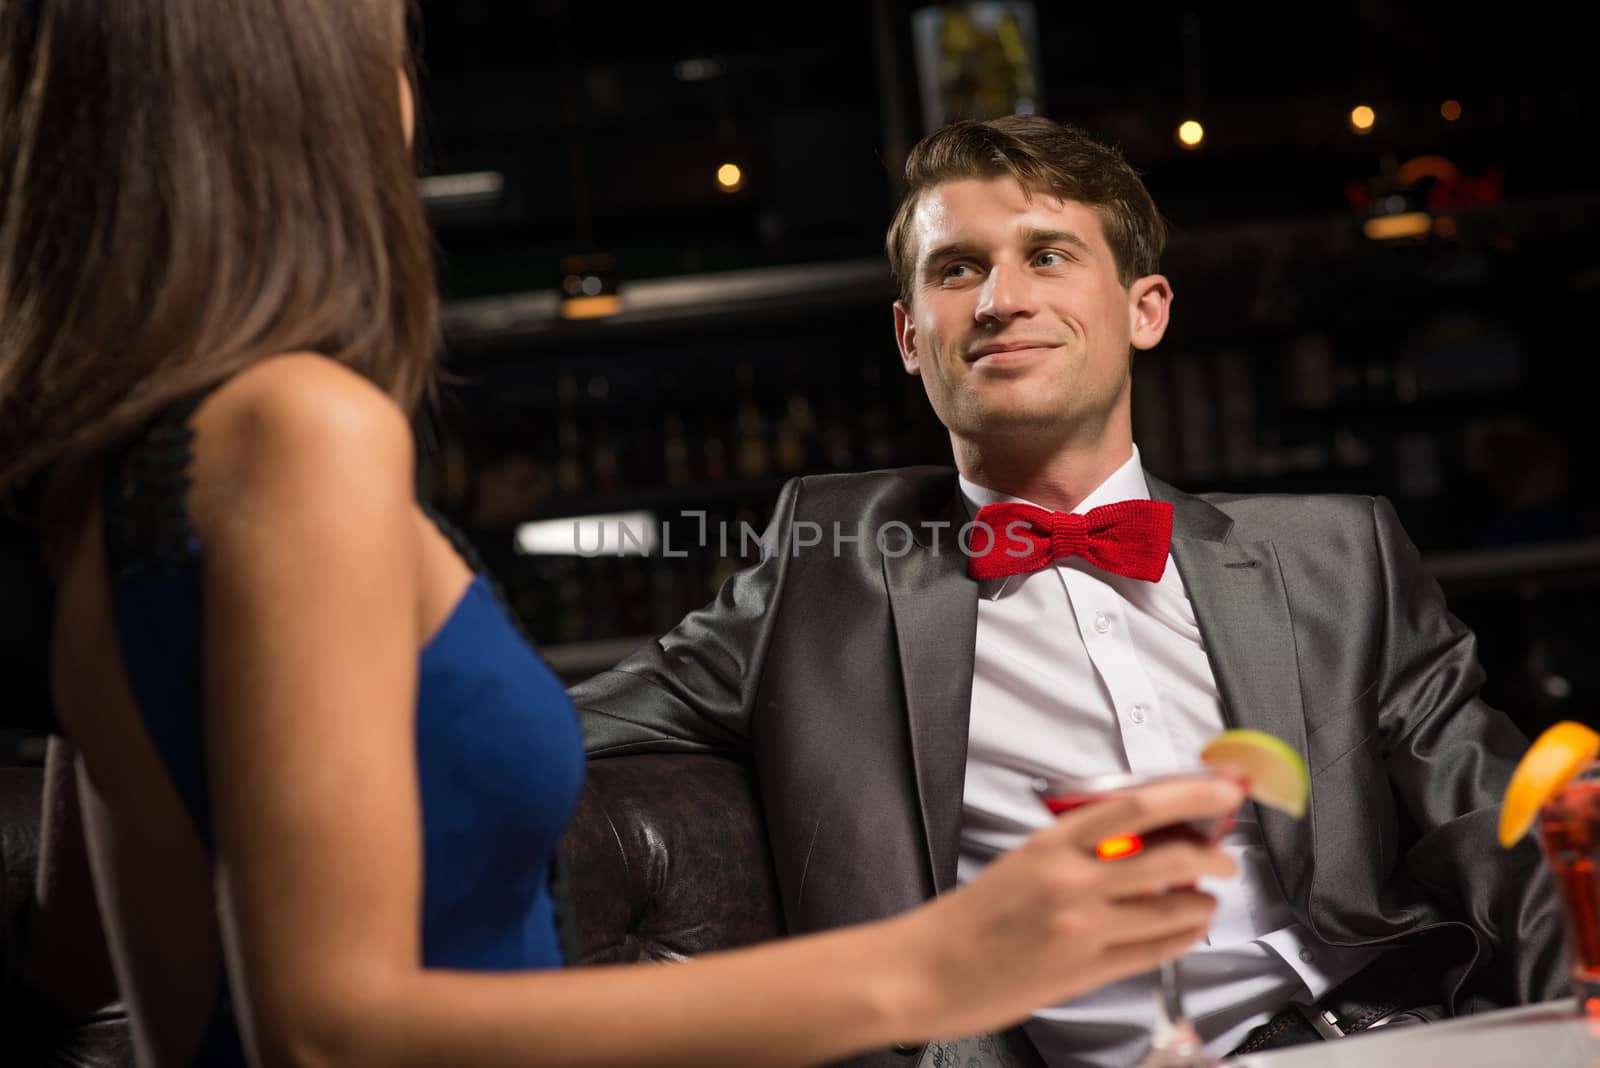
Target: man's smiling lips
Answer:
pixel 1008 353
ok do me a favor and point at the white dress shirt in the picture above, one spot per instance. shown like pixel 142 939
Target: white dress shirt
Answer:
pixel 1081 672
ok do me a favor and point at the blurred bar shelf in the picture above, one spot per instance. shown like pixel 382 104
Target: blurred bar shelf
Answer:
pixel 699 298
pixel 1475 570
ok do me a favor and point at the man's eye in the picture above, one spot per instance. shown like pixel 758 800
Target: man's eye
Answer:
pixel 1048 259
pixel 958 270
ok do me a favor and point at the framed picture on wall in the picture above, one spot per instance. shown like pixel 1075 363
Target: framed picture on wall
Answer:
pixel 976 60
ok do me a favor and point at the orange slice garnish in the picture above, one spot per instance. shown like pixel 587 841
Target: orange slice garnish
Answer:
pixel 1551 762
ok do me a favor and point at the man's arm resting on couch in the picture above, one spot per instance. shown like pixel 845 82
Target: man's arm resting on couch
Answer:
pixel 692 689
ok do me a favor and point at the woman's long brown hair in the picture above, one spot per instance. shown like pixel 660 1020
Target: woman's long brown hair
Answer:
pixel 187 187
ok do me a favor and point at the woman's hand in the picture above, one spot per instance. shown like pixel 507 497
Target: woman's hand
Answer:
pixel 1049 920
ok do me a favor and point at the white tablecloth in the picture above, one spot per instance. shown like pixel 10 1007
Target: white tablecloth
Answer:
pixel 1534 1036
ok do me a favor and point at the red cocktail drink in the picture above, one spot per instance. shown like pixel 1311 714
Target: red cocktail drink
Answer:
pixel 1569 828
pixel 1064 795
pixel 1174 1039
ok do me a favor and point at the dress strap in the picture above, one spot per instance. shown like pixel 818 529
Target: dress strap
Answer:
pixel 146 482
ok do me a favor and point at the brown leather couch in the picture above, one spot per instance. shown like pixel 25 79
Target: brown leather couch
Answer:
pixel 666 857
pixel 31 1033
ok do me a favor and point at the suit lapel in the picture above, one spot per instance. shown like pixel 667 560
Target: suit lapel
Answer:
pixel 1236 588
pixel 935 608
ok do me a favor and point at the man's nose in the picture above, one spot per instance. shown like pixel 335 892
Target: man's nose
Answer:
pixel 1006 294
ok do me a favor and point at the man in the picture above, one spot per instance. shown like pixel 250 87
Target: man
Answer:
pixel 897 695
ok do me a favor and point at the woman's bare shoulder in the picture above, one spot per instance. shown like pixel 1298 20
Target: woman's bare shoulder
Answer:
pixel 302 401
pixel 297 427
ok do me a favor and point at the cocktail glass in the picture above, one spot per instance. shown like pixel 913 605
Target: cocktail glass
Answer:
pixel 1569 830
pixel 1174 1043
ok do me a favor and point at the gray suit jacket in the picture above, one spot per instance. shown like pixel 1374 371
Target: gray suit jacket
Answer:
pixel 846 679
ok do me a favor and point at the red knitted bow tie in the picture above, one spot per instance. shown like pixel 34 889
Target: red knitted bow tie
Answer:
pixel 1126 538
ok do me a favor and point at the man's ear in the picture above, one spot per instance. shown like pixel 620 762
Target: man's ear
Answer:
pixel 1149 305
pixel 905 335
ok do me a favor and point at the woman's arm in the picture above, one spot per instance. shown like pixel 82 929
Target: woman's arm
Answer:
pixel 303 498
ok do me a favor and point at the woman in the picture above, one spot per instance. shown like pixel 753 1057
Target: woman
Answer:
pixel 321 776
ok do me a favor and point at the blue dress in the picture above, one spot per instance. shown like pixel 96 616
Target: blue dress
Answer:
pixel 500 757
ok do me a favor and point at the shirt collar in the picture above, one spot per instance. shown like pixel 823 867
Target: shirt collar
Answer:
pixel 1126 483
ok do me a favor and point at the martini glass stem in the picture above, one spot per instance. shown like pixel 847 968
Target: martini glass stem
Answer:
pixel 1175 1041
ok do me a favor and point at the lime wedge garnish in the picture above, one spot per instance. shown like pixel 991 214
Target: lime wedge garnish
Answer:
pixel 1273 773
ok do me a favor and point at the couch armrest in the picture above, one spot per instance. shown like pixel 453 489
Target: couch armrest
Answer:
pixel 20 795
pixel 33 1032
pixel 666 858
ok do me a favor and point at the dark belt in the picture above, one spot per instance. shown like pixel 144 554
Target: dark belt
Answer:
pixel 1399 987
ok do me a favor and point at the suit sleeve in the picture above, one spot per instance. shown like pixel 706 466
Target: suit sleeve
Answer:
pixel 693 688
pixel 1449 756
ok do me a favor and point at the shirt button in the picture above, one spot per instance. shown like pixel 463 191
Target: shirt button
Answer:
pixel 1136 713
pixel 1101 623
pixel 1308 955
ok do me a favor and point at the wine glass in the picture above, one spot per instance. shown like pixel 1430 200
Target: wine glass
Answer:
pixel 1174 1043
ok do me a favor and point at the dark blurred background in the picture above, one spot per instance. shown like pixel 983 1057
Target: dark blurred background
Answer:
pixel 660 241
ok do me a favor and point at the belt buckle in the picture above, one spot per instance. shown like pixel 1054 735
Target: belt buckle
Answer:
pixel 1322 1021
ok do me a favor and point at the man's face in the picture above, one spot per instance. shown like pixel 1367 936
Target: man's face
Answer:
pixel 1017 323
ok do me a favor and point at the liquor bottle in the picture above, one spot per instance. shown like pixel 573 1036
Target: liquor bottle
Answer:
pixel 605 457
pixel 569 440
pixel 1236 398
pixel 1418 469
pixel 750 428
pixel 1314 373
pixel 912 444
pixel 715 456
pixel 838 438
pixel 796 429
pixel 674 449
pixel 633 599
pixel 575 597
pixel 1197 437
pixel 1152 416
pixel 874 423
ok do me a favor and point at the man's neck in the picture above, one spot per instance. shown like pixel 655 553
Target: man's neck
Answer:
pixel 1059 480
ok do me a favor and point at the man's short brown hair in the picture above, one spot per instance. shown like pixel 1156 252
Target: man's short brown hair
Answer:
pixel 1044 156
